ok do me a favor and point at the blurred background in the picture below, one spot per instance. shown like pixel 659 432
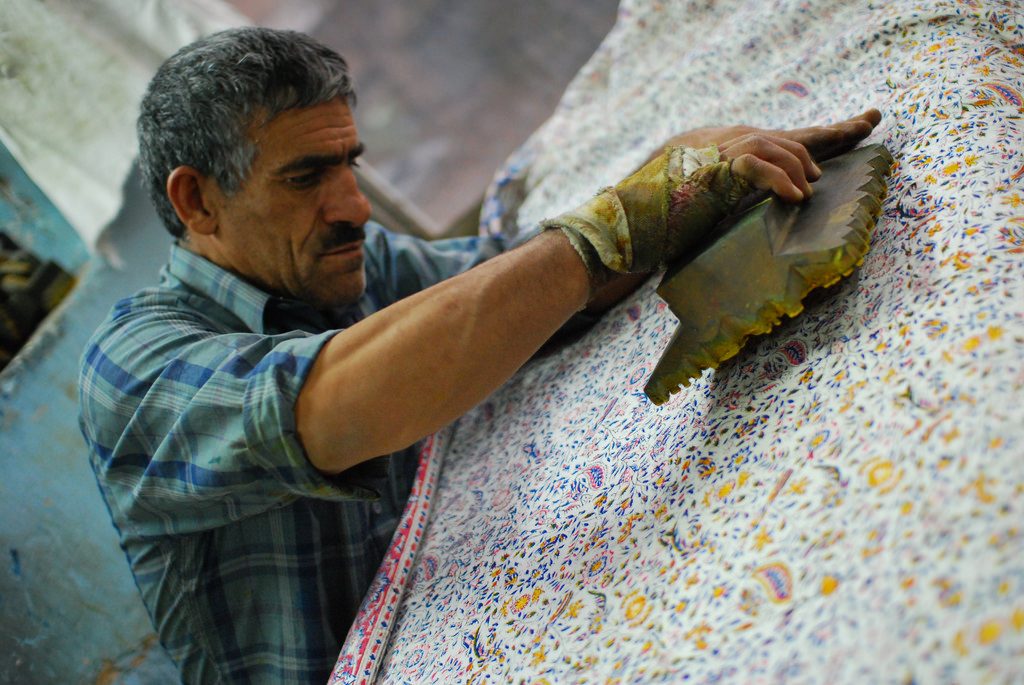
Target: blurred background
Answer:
pixel 448 88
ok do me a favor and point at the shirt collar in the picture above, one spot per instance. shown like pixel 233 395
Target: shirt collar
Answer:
pixel 242 299
pixel 258 310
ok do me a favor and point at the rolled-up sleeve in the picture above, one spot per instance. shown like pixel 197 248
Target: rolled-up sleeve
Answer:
pixel 189 430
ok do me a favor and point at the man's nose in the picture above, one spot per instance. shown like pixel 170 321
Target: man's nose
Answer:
pixel 344 201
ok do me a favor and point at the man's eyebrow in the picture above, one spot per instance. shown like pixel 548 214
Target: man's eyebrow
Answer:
pixel 320 161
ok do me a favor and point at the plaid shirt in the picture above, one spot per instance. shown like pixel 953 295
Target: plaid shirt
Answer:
pixel 251 563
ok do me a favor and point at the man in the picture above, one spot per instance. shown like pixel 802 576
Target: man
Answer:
pixel 236 414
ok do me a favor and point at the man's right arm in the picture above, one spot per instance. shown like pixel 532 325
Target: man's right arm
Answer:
pixel 422 362
pixel 415 366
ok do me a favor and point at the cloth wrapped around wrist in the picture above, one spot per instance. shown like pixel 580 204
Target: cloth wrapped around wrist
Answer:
pixel 654 215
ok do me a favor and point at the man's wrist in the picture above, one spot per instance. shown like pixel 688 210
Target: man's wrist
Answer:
pixel 597 272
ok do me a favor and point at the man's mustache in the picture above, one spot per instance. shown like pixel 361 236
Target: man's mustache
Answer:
pixel 341 233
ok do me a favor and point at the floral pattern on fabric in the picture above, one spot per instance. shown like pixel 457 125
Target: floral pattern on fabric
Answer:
pixel 842 501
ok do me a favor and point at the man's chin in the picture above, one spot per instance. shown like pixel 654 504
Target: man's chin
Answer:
pixel 340 291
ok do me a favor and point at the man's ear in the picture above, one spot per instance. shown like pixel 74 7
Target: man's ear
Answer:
pixel 194 197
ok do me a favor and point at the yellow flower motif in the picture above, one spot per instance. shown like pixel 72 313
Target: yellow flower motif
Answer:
pixel 829 585
pixel 762 539
pixel 990 632
pixel 636 608
pixel 697 635
pixel 961 260
pixel 980 487
pixel 882 474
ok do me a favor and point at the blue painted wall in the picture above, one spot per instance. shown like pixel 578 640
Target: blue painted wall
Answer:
pixel 69 609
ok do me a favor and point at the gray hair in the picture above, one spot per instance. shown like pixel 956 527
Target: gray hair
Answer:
pixel 200 104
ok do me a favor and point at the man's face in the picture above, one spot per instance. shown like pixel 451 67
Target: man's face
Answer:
pixel 294 228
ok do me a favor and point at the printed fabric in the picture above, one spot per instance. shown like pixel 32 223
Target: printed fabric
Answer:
pixel 841 502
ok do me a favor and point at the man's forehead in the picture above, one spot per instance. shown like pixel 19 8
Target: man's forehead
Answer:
pixel 327 127
pixel 261 117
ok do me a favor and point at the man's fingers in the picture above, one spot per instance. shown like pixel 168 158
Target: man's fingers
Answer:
pixel 825 142
pixel 784 161
pixel 872 116
pixel 782 156
pixel 767 176
pixel 836 140
pixel 818 139
pixel 810 169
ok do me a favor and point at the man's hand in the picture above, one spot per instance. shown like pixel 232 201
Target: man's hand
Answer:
pixel 782 161
pixel 822 142
pixel 771 162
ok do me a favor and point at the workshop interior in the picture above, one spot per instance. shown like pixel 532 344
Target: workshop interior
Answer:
pixel 822 484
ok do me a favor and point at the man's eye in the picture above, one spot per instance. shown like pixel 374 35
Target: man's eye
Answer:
pixel 304 180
